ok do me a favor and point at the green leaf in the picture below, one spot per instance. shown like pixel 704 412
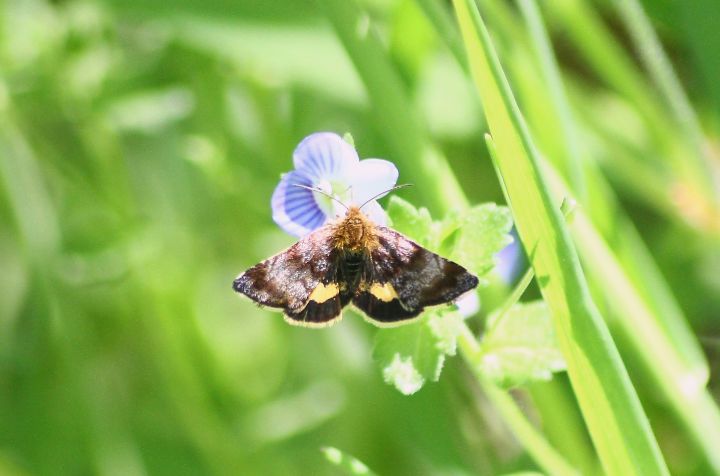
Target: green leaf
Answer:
pixel 472 237
pixel 484 232
pixel 347 463
pixel 520 346
pixel 413 354
pixel 411 221
pixel 447 230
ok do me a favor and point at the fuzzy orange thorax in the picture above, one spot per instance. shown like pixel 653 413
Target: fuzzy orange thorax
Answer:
pixel 355 232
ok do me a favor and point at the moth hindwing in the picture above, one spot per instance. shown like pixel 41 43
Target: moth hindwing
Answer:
pixel 390 278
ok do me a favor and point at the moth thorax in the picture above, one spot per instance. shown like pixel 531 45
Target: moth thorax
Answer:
pixel 354 232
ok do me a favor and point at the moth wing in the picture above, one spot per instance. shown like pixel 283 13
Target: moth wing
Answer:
pixel 299 280
pixel 402 278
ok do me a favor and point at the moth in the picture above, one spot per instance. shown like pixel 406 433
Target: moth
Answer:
pixel 353 260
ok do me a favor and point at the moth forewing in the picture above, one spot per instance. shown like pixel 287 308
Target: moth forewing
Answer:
pixel 386 276
pixel 312 325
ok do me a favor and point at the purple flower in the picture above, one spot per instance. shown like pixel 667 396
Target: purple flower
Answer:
pixel 325 161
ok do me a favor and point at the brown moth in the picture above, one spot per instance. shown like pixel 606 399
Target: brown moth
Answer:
pixel 388 277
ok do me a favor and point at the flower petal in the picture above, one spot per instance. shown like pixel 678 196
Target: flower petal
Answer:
pixel 468 304
pixel 510 260
pixel 295 209
pixel 375 213
pixel 370 178
pixel 324 155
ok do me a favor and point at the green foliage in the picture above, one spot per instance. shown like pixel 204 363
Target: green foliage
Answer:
pixel 416 223
pixel 606 396
pixel 413 354
pixel 140 142
pixel 519 346
pixel 482 232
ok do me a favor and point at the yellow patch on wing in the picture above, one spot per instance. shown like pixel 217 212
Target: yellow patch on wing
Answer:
pixel 322 293
pixel 384 292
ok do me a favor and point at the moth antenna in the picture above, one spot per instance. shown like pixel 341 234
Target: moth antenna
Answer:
pixel 403 185
pixel 322 192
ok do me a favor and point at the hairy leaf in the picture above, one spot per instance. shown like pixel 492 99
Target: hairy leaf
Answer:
pixel 520 346
pixel 413 354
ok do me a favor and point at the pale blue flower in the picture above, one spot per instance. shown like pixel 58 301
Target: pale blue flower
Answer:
pixel 327 162
pixel 468 304
pixel 510 261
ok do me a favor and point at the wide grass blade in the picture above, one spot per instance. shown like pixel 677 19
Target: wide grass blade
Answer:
pixel 640 305
pixel 616 421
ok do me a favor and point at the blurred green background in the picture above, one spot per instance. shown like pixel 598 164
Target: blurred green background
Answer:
pixel 140 142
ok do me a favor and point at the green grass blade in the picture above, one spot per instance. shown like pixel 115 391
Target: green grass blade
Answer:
pixel 392 109
pixel 22 178
pixel 641 303
pixel 671 149
pixel 617 423
pixel 570 154
pixel 607 58
pixel 681 386
pixel 441 19
pixel 664 77
pixel 602 206
pixel 556 402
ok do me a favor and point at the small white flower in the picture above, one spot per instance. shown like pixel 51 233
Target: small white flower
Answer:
pixel 325 161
